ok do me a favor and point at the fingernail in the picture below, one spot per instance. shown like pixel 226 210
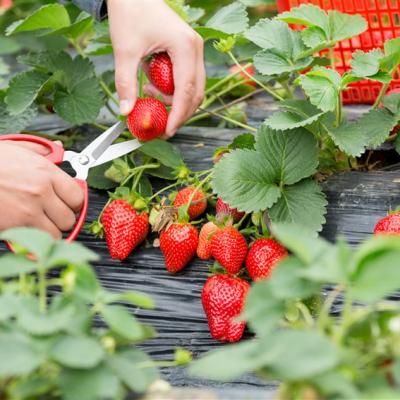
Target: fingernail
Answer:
pixel 125 107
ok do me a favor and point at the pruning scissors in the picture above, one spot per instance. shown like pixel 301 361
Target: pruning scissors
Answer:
pixel 99 151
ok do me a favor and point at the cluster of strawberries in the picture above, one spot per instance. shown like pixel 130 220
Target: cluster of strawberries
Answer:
pixel 224 294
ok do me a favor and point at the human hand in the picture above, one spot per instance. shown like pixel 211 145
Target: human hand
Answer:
pixel 34 192
pixel 142 27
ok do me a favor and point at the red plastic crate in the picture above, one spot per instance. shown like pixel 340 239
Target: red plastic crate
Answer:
pixel 383 18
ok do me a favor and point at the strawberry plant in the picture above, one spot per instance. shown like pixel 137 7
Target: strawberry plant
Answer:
pixel 51 347
pixel 317 349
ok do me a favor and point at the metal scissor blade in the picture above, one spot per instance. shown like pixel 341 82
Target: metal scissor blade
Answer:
pixel 103 142
pixel 117 150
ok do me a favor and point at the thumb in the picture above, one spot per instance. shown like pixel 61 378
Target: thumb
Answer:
pixel 126 68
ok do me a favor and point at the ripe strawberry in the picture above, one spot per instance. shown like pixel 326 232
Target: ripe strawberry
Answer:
pixel 229 248
pixel 198 204
pixel 161 73
pixel 148 119
pixel 178 244
pixel 222 208
pixel 204 246
pixel 223 298
pixel 124 228
pixel 263 256
pixel 250 70
pixel 389 225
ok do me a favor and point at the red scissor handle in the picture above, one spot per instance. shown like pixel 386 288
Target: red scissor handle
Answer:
pixel 56 156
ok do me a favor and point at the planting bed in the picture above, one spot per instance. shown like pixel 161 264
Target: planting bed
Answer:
pixel 356 201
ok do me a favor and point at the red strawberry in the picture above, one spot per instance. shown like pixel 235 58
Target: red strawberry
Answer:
pixel 161 73
pixel 222 208
pixel 389 225
pixel 124 228
pixel 262 257
pixel 198 203
pixel 148 119
pixel 250 70
pixel 204 246
pixel 178 244
pixel 229 248
pixel 223 298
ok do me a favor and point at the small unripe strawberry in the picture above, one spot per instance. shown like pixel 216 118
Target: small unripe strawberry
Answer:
pixel 148 119
pixel 161 73
pixel 262 258
pixel 198 203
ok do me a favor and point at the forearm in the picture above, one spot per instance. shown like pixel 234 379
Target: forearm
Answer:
pixel 97 8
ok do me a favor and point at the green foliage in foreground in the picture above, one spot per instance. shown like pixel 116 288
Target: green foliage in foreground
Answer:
pixel 52 348
pixel 298 340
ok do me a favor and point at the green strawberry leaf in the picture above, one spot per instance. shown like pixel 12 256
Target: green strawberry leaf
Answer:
pixel 96 383
pixel 366 64
pixel 230 19
pixel 14 123
pixel 97 179
pixel 163 151
pixel 280 150
pixel 82 25
pixel 307 15
pixel 302 204
pixel 392 55
pixel 245 181
pixel 81 103
pixel 50 16
pixel 271 62
pixel 9 45
pixel 315 38
pixel 294 114
pixel 322 86
pixel 272 34
pixel 23 90
pixel 344 26
pixel 371 130
pixel 209 33
pixel 243 141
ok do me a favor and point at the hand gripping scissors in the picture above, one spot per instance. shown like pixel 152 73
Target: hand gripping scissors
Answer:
pixel 99 151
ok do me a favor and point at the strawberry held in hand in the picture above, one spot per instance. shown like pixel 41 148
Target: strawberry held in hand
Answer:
pixel 222 208
pixel 223 298
pixel 161 73
pixel 198 203
pixel 229 248
pixel 124 228
pixel 178 244
pixel 389 225
pixel 206 233
pixel 148 119
pixel 263 256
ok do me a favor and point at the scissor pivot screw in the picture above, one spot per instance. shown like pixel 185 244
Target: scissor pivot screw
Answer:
pixel 84 160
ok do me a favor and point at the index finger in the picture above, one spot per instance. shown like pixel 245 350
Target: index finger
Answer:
pixel 185 100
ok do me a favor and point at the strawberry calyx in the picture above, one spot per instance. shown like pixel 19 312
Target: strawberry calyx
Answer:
pixel 138 202
pixel 96 228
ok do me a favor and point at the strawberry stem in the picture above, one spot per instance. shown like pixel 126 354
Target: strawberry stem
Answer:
pixel 164 190
pixel 199 186
pixel 244 71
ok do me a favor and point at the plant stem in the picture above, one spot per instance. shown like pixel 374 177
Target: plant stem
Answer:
pixel 218 95
pixel 382 92
pixel 99 126
pixel 164 189
pixel 225 118
pixel 111 110
pixel 239 224
pixel 243 70
pixel 339 110
pixel 332 58
pixel 203 115
pixel 42 289
pixel 108 92
pixel 225 80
